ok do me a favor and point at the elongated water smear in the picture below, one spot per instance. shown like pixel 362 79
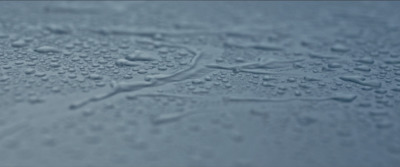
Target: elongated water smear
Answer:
pixel 269 64
pixel 320 56
pixel 239 68
pixel 243 31
pixel 9 131
pixel 361 81
pixel 169 117
pixel 265 47
pixel 134 96
pixel 254 68
pixel 346 98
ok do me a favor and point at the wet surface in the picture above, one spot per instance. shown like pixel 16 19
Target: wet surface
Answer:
pixel 199 84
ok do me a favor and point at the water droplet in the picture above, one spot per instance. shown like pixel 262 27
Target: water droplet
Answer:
pixel 29 71
pixel 95 77
pixel 19 44
pixel 339 48
pixel 47 49
pixel 141 56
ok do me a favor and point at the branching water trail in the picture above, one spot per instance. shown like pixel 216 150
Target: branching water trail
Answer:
pixel 196 65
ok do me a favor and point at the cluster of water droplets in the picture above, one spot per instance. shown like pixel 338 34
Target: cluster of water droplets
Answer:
pixel 146 88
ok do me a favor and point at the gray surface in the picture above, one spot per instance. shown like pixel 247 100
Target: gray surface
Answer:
pixel 199 84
